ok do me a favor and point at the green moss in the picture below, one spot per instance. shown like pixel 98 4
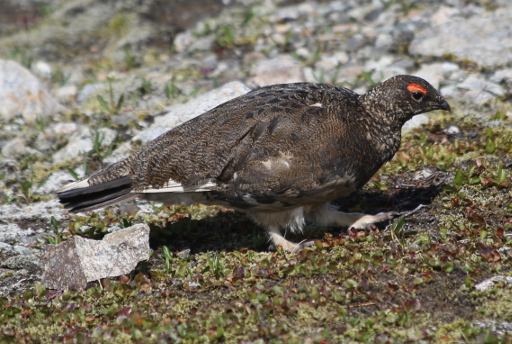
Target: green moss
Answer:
pixel 120 24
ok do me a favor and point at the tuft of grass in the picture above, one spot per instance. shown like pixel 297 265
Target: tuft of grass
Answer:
pixel 171 90
pixel 21 56
pixel 58 233
pixel 113 107
pixel 146 87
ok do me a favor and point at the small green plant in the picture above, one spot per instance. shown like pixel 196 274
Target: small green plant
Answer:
pixel 171 90
pixel 167 257
pixel 98 150
pixel 46 10
pixel 43 180
pixel 58 233
pixel 484 173
pixel 258 238
pixel 41 123
pixel 73 173
pixel 499 115
pixel 26 189
pixel 332 80
pixel 398 228
pixel 59 77
pixel 215 265
pixel 146 87
pixel 112 107
pixel 130 60
pixel 22 56
pixel 311 62
pixel 249 14
pixel 367 76
pixel 225 36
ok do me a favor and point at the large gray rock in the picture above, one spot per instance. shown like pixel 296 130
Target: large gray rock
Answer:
pixel 484 39
pixel 181 113
pixel 73 263
pixel 21 93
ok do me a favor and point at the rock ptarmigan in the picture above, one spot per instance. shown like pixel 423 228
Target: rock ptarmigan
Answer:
pixel 280 154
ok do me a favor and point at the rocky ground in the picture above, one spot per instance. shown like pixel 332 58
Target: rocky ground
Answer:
pixel 85 82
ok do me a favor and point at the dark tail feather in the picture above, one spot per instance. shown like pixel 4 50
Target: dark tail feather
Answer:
pixel 79 196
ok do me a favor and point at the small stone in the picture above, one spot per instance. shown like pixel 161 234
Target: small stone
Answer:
pixel 17 148
pixel 356 42
pixel 489 283
pixel 67 92
pixel 278 70
pixel 193 285
pixel 288 13
pixel 23 250
pixel 480 90
pixel 333 61
pixel 385 73
pixel 22 262
pixel 184 254
pixel 449 67
pixel 43 69
pixel 384 41
pixel 89 90
pixel 202 44
pixel 450 92
pixel 433 73
pixel 66 128
pixel 253 57
pixel 502 75
pixel 75 262
pixel 13 213
pixel 21 93
pixel 452 130
pixel 415 122
pixel 479 84
pixel 422 174
pixel 183 40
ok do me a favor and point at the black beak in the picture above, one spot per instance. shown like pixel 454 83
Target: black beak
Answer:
pixel 443 106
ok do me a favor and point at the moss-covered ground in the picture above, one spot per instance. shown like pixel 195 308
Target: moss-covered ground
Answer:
pixel 411 281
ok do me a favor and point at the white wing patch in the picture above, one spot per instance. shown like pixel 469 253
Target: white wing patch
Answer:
pixel 283 160
pixel 317 105
pixel 76 185
pixel 176 187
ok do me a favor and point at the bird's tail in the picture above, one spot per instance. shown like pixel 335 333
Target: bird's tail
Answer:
pixel 81 196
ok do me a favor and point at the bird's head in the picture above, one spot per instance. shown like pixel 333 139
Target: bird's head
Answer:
pixel 404 96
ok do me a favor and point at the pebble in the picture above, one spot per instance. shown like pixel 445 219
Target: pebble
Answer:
pixel 502 75
pixel 278 70
pixel 17 148
pixel 414 122
pixel 479 90
pixel 491 282
pixel 22 94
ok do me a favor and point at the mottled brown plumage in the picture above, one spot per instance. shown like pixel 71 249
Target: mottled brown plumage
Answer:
pixel 280 153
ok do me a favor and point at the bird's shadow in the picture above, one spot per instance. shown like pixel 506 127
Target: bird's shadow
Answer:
pixel 233 231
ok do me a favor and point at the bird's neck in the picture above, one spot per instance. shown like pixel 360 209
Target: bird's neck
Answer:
pixel 378 103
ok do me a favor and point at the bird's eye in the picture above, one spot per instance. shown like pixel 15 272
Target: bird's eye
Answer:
pixel 417 95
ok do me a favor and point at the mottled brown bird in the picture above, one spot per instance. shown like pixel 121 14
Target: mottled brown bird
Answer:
pixel 280 154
